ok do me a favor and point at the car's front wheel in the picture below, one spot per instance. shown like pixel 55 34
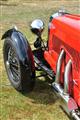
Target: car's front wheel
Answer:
pixel 21 78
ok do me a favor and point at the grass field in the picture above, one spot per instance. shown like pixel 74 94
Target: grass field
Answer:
pixel 41 103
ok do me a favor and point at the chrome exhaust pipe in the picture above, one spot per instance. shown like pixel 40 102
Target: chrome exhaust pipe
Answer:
pixel 67 102
pixel 67 72
pixel 59 65
pixel 75 114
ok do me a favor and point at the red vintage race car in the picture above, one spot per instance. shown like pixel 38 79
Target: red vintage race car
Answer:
pixel 59 58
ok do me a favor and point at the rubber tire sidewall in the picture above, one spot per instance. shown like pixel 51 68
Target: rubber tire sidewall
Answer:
pixel 26 83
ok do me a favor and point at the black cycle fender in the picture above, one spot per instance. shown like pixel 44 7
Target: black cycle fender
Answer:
pixel 22 47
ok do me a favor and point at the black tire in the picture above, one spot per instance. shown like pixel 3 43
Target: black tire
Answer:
pixel 21 78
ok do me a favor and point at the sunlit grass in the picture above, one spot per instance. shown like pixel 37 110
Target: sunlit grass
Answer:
pixel 41 103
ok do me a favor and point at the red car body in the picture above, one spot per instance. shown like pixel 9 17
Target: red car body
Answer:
pixel 64 33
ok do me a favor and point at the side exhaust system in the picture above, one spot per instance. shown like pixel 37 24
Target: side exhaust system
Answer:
pixel 67 74
pixel 59 65
pixel 67 102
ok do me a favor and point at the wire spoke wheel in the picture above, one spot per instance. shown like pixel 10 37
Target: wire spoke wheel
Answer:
pixel 13 65
pixel 18 66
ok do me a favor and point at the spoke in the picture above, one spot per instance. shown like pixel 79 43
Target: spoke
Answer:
pixel 15 72
pixel 15 76
pixel 11 54
pixel 14 64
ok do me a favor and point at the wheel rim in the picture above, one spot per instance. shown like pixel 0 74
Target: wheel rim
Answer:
pixel 13 65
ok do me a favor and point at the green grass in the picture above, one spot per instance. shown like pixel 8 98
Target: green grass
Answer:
pixel 41 103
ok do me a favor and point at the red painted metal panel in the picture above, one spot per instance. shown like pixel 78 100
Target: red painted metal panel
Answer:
pixel 64 32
